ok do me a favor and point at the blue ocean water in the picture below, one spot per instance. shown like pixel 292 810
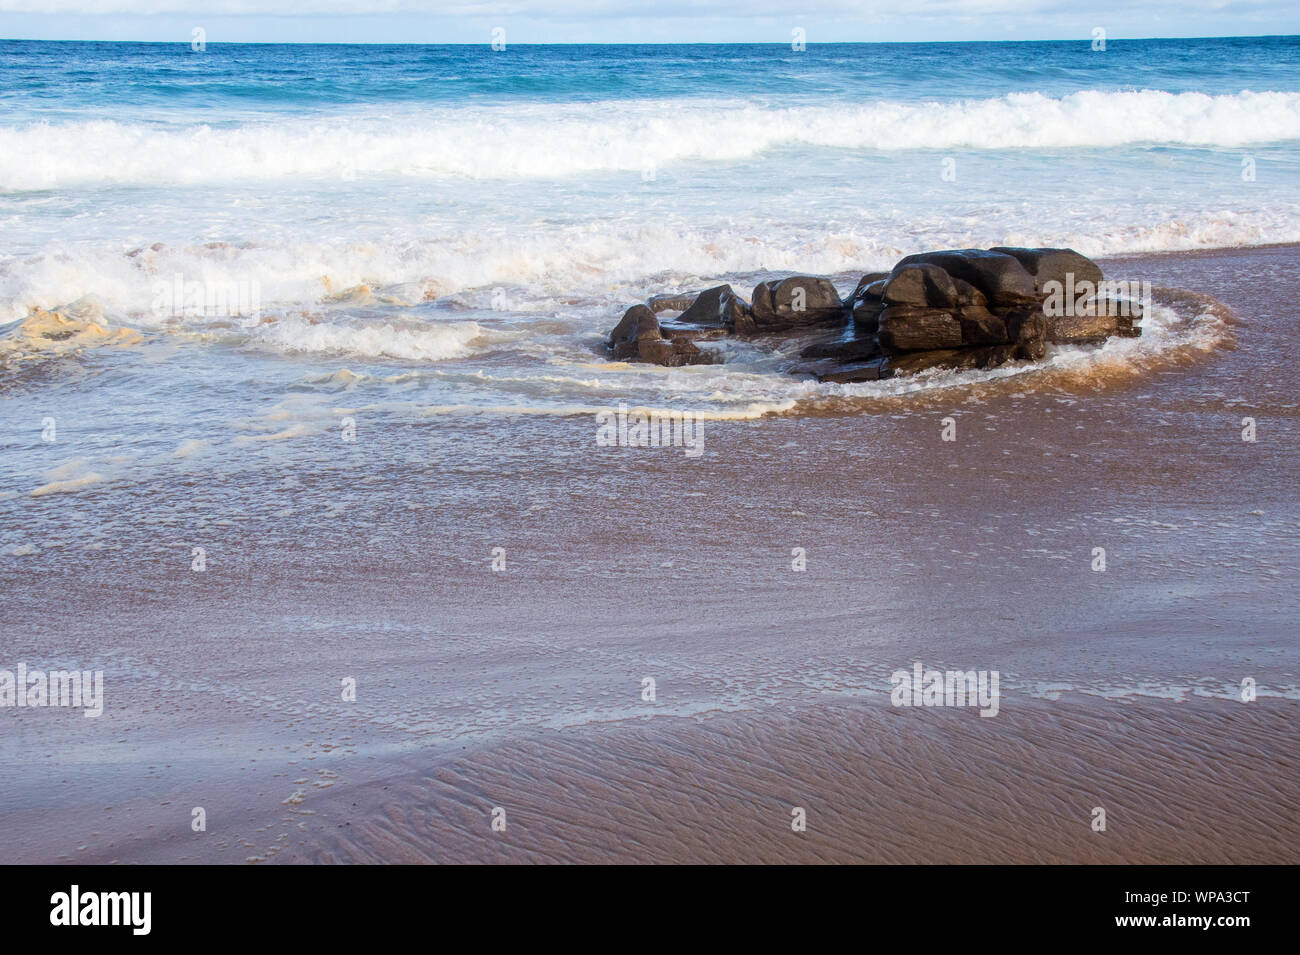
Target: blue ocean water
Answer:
pixel 44 80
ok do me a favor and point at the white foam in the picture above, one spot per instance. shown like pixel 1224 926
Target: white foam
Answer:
pixel 602 264
pixel 529 141
pixel 434 342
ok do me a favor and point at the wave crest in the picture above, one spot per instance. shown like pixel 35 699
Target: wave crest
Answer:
pixel 556 140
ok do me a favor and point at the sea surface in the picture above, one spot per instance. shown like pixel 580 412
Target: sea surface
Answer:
pixel 456 228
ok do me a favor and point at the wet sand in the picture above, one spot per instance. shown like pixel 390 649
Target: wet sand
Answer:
pixel 522 689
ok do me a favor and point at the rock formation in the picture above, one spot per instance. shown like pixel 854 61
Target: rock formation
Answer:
pixel 957 308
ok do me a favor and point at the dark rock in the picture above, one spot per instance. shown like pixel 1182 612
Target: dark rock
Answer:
pixel 841 372
pixel 718 307
pixel 673 352
pixel 637 337
pixel 856 348
pixel 674 302
pixel 798 301
pixel 1033 350
pixel 968 294
pixel 918 329
pixel 979 326
pixel 1117 302
pixel 920 285
pixel 1080 329
pixel 868 280
pixel 1026 323
pixel 1053 265
pixel 692 333
pixel 845 374
pixel 1001 277
pixel 956 359
pixel 866 303
pixel 866 316
pixel 638 323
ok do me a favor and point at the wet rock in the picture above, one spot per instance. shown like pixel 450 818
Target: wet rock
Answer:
pixel 1080 329
pixel 968 294
pixel 867 303
pixel 868 280
pixel 638 337
pixel 798 301
pixel 979 326
pixel 637 324
pixel 847 373
pixel 673 352
pixel 903 328
pixel 718 307
pixel 671 302
pixel 950 359
pixel 952 309
pixel 853 348
pixel 1054 265
pixel 922 285
pixel 1000 277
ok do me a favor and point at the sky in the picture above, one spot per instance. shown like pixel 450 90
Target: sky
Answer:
pixel 636 21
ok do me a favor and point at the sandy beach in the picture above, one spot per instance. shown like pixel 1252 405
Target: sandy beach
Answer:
pixel 521 688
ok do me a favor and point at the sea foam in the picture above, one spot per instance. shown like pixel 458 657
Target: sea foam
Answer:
pixel 531 141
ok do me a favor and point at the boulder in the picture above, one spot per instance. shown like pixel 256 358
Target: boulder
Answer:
pixel 1000 277
pixel 871 278
pixel 918 329
pixel 1053 265
pixel 798 301
pixel 953 309
pixel 866 304
pixel 638 323
pixel 637 337
pixel 922 286
pixel 718 307
pixel 673 352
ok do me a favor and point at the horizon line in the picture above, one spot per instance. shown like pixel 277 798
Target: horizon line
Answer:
pixel 1072 39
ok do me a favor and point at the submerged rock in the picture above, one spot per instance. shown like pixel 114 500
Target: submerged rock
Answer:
pixel 718 307
pixel 638 337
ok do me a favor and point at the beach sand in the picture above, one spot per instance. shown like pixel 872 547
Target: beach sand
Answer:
pixel 522 689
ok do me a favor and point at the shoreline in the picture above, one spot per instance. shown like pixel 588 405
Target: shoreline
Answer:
pixel 221 689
